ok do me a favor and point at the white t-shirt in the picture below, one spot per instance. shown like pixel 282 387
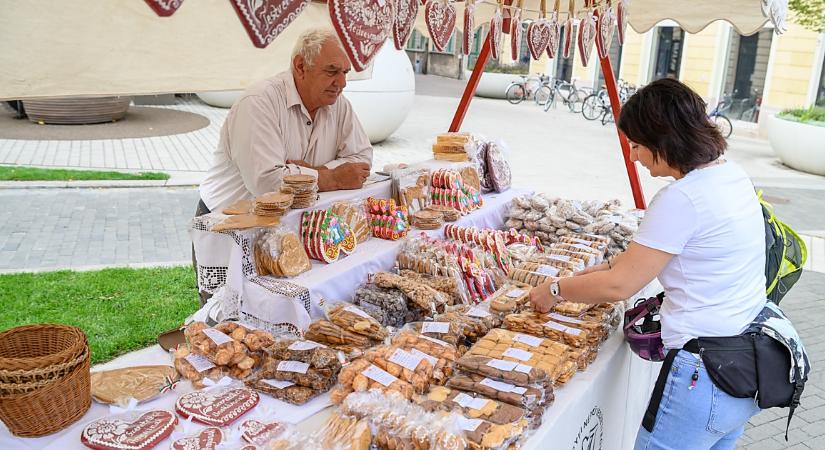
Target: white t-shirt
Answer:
pixel 712 223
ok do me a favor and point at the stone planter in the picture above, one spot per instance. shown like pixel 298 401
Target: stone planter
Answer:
pixel 493 85
pixel 220 99
pixel 798 145
pixel 76 110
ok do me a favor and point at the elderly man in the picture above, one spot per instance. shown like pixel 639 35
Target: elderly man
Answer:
pixel 296 121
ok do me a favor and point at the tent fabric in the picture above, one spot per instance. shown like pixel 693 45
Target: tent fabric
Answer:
pixel 121 47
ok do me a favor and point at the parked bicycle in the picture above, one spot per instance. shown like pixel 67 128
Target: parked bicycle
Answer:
pixel 597 106
pixel 718 117
pixel 568 93
pixel 518 91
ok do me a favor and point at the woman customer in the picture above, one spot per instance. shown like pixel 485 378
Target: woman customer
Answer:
pixel 703 236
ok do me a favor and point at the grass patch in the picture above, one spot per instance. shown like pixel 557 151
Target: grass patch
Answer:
pixel 120 310
pixel 19 173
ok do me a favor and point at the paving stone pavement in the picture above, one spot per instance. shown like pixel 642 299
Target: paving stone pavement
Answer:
pixel 46 229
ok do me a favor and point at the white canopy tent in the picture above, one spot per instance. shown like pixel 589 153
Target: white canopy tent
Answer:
pixel 121 47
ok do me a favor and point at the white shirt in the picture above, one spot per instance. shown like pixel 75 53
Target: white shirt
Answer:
pixel 712 223
pixel 269 125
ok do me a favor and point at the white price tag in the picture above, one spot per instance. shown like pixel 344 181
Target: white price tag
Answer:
pixel 304 345
pixel 523 368
pixel 435 327
pixel 216 336
pixel 559 257
pixel 377 374
pixel 293 366
pixel 581 241
pixel 502 365
pixel 548 271
pixel 563 318
pixel 433 360
pixel 518 354
pixel 559 327
pixel 478 312
pixel 437 341
pixel 357 311
pixel 468 424
pixel 526 339
pixel 464 400
pixel 279 384
pixel 497 385
pixel 518 390
pixel 200 363
pixel 515 293
pixel 405 359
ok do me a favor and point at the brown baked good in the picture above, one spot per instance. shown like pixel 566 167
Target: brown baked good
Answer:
pixel 141 383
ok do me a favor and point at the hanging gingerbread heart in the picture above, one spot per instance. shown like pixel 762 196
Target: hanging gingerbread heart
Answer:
pixel 164 8
pixel 440 19
pixel 587 35
pixel 469 28
pixel 264 20
pixel 405 12
pixel 555 34
pixel 363 26
pixel 495 34
pixel 622 17
pixel 515 33
pixel 538 37
pixel 569 37
pixel 604 32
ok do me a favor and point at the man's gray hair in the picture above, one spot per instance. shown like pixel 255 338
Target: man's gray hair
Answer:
pixel 310 41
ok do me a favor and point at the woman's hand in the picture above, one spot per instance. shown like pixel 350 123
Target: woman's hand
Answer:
pixel 541 299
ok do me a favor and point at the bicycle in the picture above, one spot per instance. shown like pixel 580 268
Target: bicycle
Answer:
pixel 597 106
pixel 518 91
pixel 570 95
pixel 719 119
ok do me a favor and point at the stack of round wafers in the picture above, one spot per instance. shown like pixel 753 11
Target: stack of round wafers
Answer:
pixel 428 220
pixel 450 214
pixel 304 189
pixel 272 204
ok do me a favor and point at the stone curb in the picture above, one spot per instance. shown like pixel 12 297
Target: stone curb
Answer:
pixel 91 184
pixel 89 268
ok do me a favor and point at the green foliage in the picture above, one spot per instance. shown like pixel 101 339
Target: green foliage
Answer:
pixel 809 13
pixel 812 115
pixel 22 173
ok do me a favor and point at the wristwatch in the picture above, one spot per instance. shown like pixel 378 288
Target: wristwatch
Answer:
pixel 555 290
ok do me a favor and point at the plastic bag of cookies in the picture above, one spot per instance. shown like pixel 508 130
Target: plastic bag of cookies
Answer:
pixel 330 334
pixel 475 321
pixel 510 297
pixel 353 319
pixel 449 332
pixel 355 215
pixel 386 305
pixel 196 368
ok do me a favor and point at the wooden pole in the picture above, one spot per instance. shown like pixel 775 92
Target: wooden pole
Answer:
pixel 472 84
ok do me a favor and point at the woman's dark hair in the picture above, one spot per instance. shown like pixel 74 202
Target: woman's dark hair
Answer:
pixel 670 119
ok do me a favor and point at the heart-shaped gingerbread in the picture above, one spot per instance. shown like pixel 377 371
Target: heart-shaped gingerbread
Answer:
pixel 256 432
pixel 495 34
pixel 440 19
pixel 405 12
pixel 587 35
pixel 363 26
pixel 569 37
pixel 622 17
pixel 164 8
pixel 555 34
pixel 218 407
pixel 264 20
pixel 208 439
pixel 469 28
pixel 538 37
pixel 142 433
pixel 604 32
pixel 515 33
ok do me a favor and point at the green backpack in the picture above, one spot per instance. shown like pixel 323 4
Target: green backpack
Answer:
pixel 785 254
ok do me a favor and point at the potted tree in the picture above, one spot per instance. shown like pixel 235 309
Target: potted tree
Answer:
pixel 797 137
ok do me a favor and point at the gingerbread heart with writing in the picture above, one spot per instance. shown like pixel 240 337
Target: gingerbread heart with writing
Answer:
pixel 569 37
pixel 622 17
pixel 469 28
pixel 555 35
pixel 164 8
pixel 495 34
pixel 264 20
pixel 515 33
pixel 405 12
pixel 363 26
pixel 538 36
pixel 604 32
pixel 208 439
pixel 440 18
pixel 587 35
pixel 141 432
pixel 256 432
pixel 218 407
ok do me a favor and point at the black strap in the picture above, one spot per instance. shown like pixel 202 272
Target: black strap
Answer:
pixel 649 419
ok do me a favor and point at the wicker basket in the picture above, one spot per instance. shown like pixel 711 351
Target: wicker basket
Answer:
pixel 44 383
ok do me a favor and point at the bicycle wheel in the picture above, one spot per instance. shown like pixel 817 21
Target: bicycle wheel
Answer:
pixel 607 116
pixel 723 124
pixel 515 93
pixel 551 101
pixel 575 99
pixel 591 107
pixel 542 96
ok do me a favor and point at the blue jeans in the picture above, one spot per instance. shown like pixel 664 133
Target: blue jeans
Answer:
pixel 704 417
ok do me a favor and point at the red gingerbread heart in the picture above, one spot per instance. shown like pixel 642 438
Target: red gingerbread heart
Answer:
pixel 208 439
pixel 264 20
pixel 218 407
pixel 515 33
pixel 405 12
pixel 164 8
pixel 569 38
pixel 142 433
pixel 469 28
pixel 538 37
pixel 256 432
pixel 363 26
pixel 440 19
pixel 555 34
pixel 587 35
pixel 622 17
pixel 604 32
pixel 495 34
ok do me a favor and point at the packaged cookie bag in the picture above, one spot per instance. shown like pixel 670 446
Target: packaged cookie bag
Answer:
pixel 279 252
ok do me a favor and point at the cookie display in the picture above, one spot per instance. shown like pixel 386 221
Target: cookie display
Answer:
pixel 534 324
pixel 279 252
pixel 387 220
pixel 303 188
pixel 449 213
pixel 327 333
pixel 447 188
pixel 348 433
pixel 260 433
pixel 239 207
pixel 325 236
pixel 510 297
pixel 428 220
pixel 353 319
pixel 196 368
pixel 131 431
pixel 386 305
pixel 353 214
pixel 142 383
pixel 217 407
pixel 286 391
pixel 272 204
pixel 207 439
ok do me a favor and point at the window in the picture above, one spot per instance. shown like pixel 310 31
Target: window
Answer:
pixel 820 91
pixel 417 42
pixel 668 53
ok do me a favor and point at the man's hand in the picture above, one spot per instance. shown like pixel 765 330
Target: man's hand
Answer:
pixel 541 299
pixel 345 176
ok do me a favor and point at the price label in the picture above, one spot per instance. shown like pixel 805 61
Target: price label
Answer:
pixel 200 363
pixel 523 368
pixel 405 359
pixel 548 271
pixel 518 390
pixel 526 339
pixel 293 366
pixel 278 384
pixel 561 318
pixel 303 345
pixel 467 401
pixel 437 341
pixel 433 360
pixel 357 311
pixel 468 424
pixel 435 327
pixel 559 257
pixel 478 312
pixel 497 385
pixel 518 354
pixel 377 374
pixel 580 241
pixel 515 293
pixel 559 327
pixel 502 365
pixel 216 336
